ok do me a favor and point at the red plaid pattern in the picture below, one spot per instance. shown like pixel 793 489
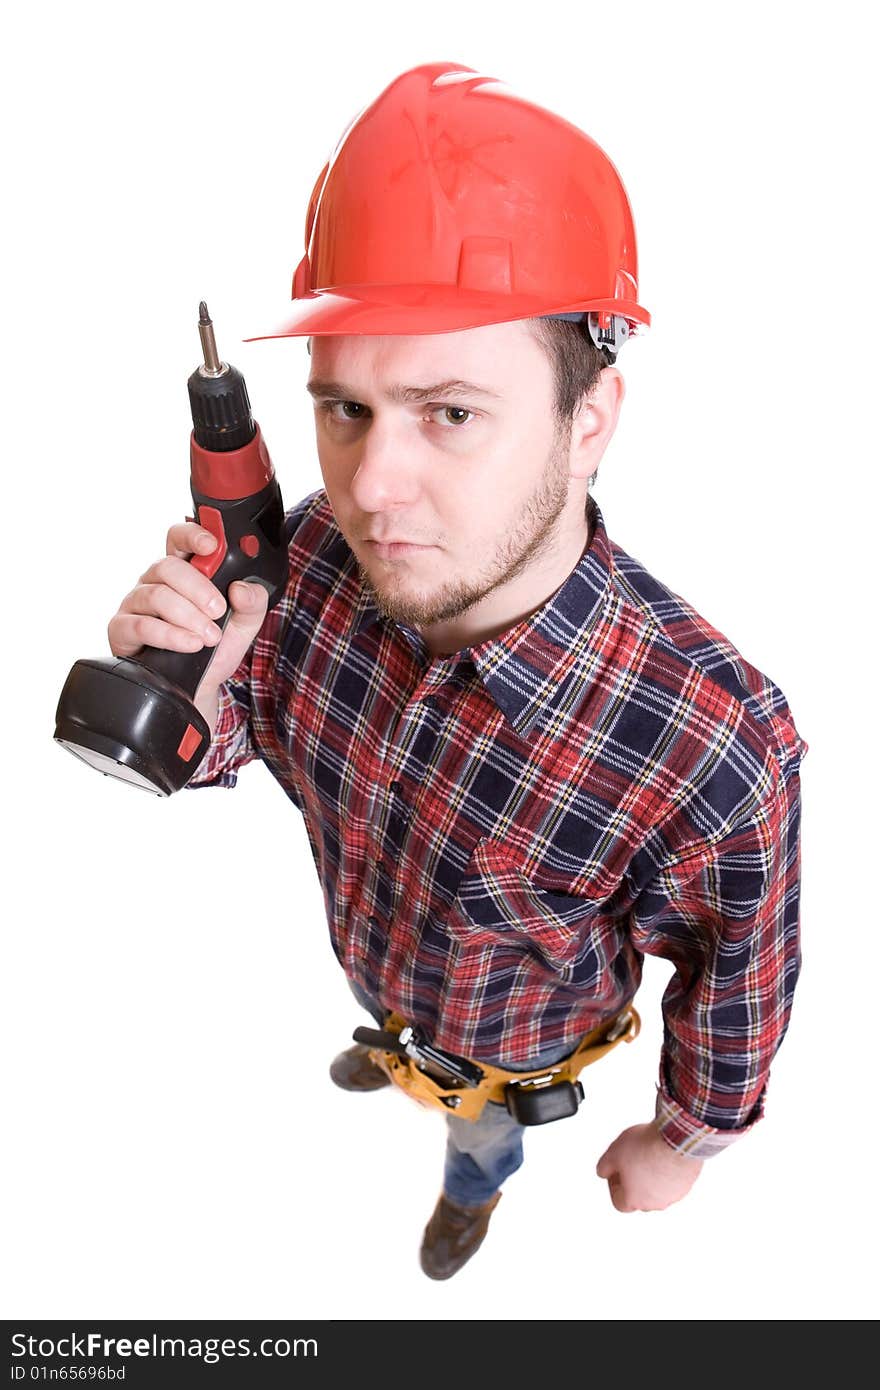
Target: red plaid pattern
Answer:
pixel 501 835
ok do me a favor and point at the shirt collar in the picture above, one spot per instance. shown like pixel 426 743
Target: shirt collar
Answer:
pixel 537 666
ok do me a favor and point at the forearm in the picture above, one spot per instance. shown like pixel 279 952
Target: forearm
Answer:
pixel 731 928
pixel 207 702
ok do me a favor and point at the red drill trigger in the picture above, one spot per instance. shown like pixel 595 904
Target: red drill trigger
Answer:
pixel 210 518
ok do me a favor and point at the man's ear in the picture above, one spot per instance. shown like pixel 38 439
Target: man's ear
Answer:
pixel 594 422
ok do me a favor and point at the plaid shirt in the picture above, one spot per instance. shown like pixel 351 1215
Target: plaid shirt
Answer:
pixel 501 834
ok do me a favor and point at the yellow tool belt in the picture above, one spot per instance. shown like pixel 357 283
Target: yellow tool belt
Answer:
pixel 466 1101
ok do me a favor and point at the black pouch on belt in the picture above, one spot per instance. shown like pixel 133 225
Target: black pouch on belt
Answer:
pixel 537 1105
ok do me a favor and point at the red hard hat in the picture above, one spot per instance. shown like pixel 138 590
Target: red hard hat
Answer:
pixel 450 202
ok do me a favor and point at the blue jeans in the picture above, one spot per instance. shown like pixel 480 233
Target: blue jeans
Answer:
pixel 481 1153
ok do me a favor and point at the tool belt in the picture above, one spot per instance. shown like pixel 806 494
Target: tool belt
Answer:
pixel 462 1087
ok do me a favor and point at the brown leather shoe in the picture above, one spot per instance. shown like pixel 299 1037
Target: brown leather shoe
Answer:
pixel 354 1070
pixel 452 1235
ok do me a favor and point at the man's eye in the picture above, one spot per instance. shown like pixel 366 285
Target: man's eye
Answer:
pixel 329 407
pixel 453 410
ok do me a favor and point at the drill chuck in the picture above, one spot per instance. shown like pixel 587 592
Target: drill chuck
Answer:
pixel 218 397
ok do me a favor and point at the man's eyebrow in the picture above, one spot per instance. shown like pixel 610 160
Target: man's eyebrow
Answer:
pixel 407 394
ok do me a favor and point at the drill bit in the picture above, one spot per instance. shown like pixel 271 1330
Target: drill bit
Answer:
pixel 213 366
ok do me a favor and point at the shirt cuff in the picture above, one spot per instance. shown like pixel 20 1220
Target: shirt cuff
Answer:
pixel 689 1136
pixel 223 779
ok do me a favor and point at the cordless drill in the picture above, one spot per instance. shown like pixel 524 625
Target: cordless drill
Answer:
pixel 133 717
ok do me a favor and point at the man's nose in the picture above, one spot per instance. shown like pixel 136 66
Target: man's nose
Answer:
pixel 386 469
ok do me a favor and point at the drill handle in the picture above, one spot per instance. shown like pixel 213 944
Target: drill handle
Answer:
pixel 251 546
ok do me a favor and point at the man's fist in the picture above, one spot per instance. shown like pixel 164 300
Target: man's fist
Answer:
pixel 644 1173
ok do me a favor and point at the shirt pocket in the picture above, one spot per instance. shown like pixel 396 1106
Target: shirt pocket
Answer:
pixel 502 910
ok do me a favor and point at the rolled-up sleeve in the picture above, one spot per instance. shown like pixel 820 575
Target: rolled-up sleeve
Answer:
pixel 727 918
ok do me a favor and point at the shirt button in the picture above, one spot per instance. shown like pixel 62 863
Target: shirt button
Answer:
pixel 396 787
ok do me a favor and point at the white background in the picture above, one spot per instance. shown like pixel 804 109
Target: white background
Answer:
pixel 173 1145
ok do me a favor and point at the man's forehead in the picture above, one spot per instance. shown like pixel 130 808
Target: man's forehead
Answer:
pixel 489 356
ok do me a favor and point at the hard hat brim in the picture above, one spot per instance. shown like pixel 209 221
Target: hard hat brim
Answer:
pixel 421 309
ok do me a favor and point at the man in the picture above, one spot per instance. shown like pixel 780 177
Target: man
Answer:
pixel 523 762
